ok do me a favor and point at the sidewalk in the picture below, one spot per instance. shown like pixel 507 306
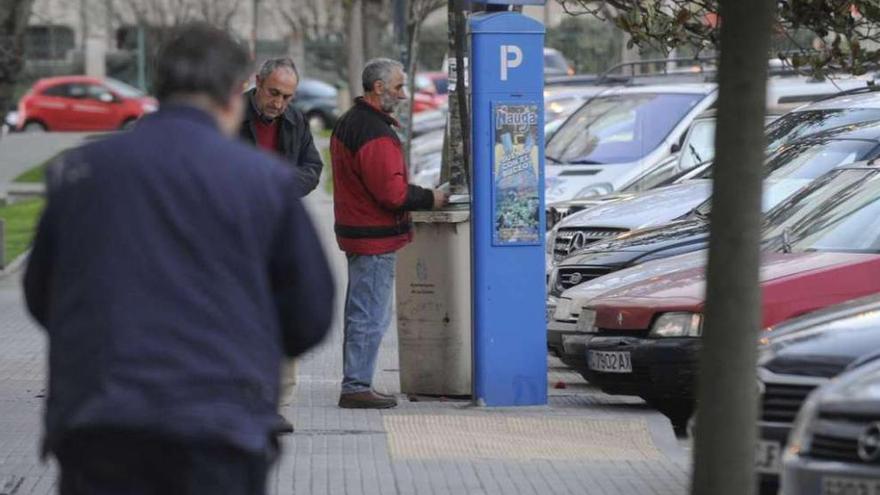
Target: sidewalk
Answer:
pixel 583 442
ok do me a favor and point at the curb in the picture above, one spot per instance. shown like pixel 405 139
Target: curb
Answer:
pixel 15 265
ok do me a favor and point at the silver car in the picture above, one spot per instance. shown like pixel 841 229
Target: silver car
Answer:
pixel 834 446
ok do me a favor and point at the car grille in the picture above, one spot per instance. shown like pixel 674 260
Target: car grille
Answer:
pixel 565 242
pixel 839 438
pixel 834 448
pixel 569 277
pixel 781 403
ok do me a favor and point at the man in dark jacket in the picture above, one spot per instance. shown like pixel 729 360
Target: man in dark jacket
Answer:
pixel 173 269
pixel 372 200
pixel 271 122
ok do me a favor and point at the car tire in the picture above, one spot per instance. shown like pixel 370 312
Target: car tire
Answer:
pixel 679 411
pixel 127 124
pixel 34 126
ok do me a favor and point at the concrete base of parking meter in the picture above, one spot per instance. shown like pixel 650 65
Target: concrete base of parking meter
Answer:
pixel 434 305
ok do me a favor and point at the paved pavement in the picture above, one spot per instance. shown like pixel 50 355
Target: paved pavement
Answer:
pixel 583 442
pixel 20 152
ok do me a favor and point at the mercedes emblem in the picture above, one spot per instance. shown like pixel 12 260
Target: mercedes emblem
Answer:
pixel 869 444
pixel 577 241
pixel 576 278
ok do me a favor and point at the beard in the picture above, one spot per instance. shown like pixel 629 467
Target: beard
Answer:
pixel 389 103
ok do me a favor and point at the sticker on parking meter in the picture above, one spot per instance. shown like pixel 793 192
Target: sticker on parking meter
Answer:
pixel 516 175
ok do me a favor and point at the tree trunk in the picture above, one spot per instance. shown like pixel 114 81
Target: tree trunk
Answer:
pixel 14 15
pixel 455 164
pixel 375 22
pixel 354 40
pixel 727 392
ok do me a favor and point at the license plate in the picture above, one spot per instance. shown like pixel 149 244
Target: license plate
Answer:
pixel 610 362
pixel 835 485
pixel 767 457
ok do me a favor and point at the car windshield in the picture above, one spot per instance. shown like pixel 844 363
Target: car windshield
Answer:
pixel 798 124
pixel 619 128
pixel 794 166
pixel 841 213
pixel 810 159
pixel 124 90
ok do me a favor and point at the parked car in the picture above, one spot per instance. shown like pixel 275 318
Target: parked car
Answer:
pixel 799 356
pixel 604 267
pixel 834 446
pixel 81 103
pixel 555 63
pixel 647 334
pixel 618 135
pixel 434 85
pixel 625 132
pixel 844 110
pixel 318 101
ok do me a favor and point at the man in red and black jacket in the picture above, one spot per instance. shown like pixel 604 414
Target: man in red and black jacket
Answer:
pixel 372 200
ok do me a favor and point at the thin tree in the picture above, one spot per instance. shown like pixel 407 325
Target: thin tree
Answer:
pixel 14 15
pixel 727 395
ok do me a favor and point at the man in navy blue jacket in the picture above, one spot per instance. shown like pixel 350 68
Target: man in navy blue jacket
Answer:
pixel 173 268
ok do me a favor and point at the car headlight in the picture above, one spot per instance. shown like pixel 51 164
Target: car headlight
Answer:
pixel 678 325
pixel 149 107
pixel 594 190
pixel 800 436
pixel 587 321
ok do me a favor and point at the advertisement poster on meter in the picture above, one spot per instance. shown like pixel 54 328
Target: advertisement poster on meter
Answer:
pixel 516 175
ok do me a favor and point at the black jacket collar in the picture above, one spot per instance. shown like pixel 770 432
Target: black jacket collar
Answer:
pixel 360 102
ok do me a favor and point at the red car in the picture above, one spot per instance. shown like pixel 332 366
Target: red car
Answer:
pixel 647 334
pixel 81 103
pixel 431 91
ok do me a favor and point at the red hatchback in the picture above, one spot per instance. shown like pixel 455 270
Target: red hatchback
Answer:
pixel 81 103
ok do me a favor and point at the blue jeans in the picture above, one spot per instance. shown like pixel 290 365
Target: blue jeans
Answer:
pixel 367 317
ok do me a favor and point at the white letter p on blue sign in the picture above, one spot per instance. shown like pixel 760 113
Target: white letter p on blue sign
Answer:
pixel 511 58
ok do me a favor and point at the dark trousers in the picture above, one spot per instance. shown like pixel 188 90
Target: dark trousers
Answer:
pixel 99 462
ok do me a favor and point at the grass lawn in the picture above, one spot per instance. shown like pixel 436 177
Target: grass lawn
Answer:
pixel 36 174
pixel 20 222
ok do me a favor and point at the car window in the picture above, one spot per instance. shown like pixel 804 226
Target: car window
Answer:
pixel 660 175
pixel 77 91
pixel 795 166
pixel 442 85
pixel 123 90
pixel 555 60
pixel 808 203
pixel 794 125
pixel 59 90
pixel 96 92
pixel 848 221
pixel 619 128
pixel 699 145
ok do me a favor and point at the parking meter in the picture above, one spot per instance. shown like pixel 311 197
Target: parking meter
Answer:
pixel 507 208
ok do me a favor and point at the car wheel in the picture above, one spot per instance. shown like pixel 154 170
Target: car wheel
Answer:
pixel 317 122
pixel 34 126
pixel 679 411
pixel 128 124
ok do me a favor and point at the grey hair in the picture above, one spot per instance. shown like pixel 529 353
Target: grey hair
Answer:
pixel 378 69
pixel 270 65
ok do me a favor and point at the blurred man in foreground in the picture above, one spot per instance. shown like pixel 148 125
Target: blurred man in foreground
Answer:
pixel 173 269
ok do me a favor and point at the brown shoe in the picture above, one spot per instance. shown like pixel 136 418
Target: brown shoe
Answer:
pixel 366 400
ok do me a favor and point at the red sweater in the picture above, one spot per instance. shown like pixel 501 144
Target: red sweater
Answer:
pixel 267 134
pixel 371 194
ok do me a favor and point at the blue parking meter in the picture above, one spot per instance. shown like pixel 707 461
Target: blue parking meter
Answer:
pixel 507 83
